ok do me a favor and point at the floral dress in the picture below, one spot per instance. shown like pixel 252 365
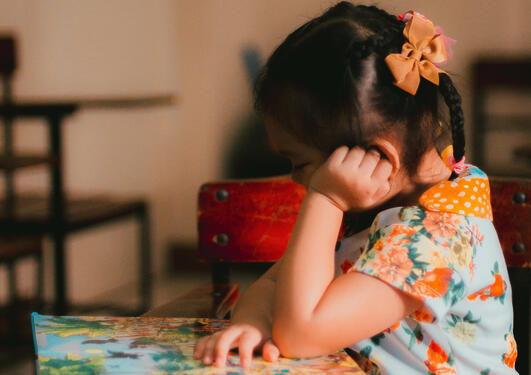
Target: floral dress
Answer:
pixel 444 251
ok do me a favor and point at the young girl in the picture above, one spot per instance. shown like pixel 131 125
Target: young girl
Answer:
pixel 353 98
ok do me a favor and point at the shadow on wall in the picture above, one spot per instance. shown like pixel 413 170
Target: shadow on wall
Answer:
pixel 249 154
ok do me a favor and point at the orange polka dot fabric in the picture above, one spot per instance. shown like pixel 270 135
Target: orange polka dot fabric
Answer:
pixel 468 194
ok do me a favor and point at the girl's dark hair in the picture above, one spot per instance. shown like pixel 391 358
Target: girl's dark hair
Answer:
pixel 328 84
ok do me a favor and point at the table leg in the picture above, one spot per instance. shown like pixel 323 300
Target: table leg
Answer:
pixel 8 173
pixel 40 277
pixel 220 273
pixel 57 201
pixel 61 305
pixel 145 260
pixel 9 180
pixel 12 277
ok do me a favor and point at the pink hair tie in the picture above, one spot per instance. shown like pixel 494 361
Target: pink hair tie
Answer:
pixel 447 41
pixel 458 167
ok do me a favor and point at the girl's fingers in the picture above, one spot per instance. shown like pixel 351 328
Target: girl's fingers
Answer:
pixel 226 342
pixel 337 157
pixel 208 355
pixel 200 347
pixel 248 341
pixel 354 158
pixel 383 171
pixel 380 177
pixel 369 162
pixel 270 351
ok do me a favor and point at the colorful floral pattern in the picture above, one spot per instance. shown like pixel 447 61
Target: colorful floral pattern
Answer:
pixel 439 362
pixel 495 290
pixel 463 328
pixel 509 357
pixel 451 259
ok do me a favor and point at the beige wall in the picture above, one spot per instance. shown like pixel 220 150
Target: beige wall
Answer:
pixel 102 48
pixel 191 48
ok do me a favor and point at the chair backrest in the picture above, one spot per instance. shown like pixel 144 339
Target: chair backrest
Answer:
pixel 251 220
pixel 511 205
pixel 248 220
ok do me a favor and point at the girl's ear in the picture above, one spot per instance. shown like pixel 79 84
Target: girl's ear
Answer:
pixel 389 151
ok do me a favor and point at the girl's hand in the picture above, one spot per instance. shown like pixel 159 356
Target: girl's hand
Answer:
pixel 353 179
pixel 215 348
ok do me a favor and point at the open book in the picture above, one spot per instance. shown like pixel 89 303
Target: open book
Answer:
pixel 158 346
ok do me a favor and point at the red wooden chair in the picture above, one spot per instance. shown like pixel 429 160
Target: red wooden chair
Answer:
pixel 238 222
pixel 511 204
pixel 251 221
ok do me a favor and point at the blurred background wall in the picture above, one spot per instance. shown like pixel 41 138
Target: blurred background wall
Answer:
pixel 192 49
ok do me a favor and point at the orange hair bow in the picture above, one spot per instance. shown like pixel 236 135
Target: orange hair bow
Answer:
pixel 423 49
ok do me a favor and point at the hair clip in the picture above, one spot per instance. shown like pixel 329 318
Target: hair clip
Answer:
pixel 420 53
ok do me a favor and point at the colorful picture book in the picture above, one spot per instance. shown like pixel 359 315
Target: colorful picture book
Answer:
pixel 157 346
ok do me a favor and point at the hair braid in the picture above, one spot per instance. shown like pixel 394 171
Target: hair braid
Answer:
pixel 389 37
pixel 457 120
pixel 361 50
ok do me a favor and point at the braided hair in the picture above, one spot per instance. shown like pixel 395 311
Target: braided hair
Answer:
pixel 328 84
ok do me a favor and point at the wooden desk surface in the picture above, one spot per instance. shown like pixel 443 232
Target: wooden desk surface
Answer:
pixel 141 345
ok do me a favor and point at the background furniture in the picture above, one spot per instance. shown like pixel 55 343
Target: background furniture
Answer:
pixel 56 214
pixel 511 206
pixel 15 333
pixel 502 141
pixel 246 221
pixel 14 249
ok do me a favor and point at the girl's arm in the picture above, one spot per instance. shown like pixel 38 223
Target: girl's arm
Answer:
pixel 255 306
pixel 315 314
pixel 250 327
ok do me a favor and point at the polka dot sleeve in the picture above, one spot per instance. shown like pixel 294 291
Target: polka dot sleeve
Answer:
pixel 469 196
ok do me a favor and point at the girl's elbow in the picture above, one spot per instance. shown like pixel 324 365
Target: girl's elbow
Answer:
pixel 291 341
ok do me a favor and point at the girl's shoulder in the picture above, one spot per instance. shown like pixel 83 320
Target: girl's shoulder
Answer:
pixel 468 194
pixel 463 201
